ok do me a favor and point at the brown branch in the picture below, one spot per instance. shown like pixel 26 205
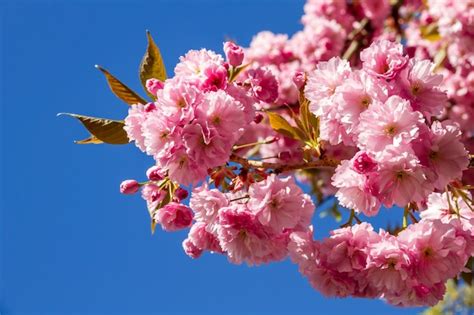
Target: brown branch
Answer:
pixel 281 167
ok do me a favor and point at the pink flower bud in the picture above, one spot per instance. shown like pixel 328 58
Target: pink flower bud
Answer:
pixel 174 216
pixel 154 85
pixel 129 186
pixel 191 249
pixel 234 53
pixel 284 156
pixel 258 118
pixel 263 84
pixel 363 163
pixel 154 173
pixel 150 107
pixel 299 79
pixel 181 194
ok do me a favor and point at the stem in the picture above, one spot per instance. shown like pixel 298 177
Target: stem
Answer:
pixel 240 198
pixel 405 219
pixel 241 146
pixel 281 167
pixel 356 42
pixel 412 217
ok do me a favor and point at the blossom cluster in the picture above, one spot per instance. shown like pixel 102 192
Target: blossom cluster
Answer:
pixel 199 114
pixel 409 269
pixel 346 109
pixel 251 227
pixel 386 109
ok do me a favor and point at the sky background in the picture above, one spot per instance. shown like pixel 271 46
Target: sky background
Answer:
pixel 70 243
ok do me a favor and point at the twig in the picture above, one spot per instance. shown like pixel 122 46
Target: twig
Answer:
pixel 280 167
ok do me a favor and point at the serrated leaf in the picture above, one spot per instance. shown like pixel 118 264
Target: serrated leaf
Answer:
pixel 280 125
pixel 152 65
pixel 122 91
pixel 90 140
pixel 105 130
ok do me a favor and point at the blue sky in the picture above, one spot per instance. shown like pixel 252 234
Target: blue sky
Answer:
pixel 70 243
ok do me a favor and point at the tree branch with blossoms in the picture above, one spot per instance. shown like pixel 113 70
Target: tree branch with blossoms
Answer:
pixel 358 117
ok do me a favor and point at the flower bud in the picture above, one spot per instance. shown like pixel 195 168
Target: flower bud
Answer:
pixel 181 194
pixel 284 156
pixel 154 173
pixel 363 163
pixel 299 79
pixel 234 54
pixel 129 186
pixel 154 85
pixel 150 107
pixel 174 216
pixel 258 118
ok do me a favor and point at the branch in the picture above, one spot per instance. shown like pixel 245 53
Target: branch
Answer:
pixel 281 167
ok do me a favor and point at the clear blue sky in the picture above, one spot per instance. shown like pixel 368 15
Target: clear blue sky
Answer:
pixel 70 243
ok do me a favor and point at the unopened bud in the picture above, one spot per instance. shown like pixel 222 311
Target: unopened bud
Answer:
pixel 154 173
pixel 234 53
pixel 154 85
pixel 150 107
pixel 181 194
pixel 258 118
pixel 284 156
pixel 129 186
pixel 299 79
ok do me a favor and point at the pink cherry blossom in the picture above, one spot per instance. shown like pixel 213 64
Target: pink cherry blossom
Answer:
pixel 224 114
pixel 280 204
pixel 400 178
pixel 384 59
pixel 206 204
pixel 133 125
pixel 174 216
pixel 421 87
pixel 263 84
pixel 245 239
pixel 388 264
pixel 438 252
pixel 391 123
pixel 443 152
pixel 199 240
pixel 205 146
pixel 193 64
pixel 355 190
pixel 323 81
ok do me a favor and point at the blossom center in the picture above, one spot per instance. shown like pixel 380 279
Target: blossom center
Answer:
pixel 390 130
pixel 365 102
pixel 416 88
pixel 428 252
pixel 433 155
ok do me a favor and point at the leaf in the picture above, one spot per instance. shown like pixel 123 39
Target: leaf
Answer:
pixel 430 32
pixel 122 91
pixel 280 125
pixel 105 130
pixel 152 65
pixel 90 140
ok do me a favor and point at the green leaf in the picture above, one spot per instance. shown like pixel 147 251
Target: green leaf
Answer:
pixel 152 65
pixel 280 125
pixel 122 91
pixel 105 130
